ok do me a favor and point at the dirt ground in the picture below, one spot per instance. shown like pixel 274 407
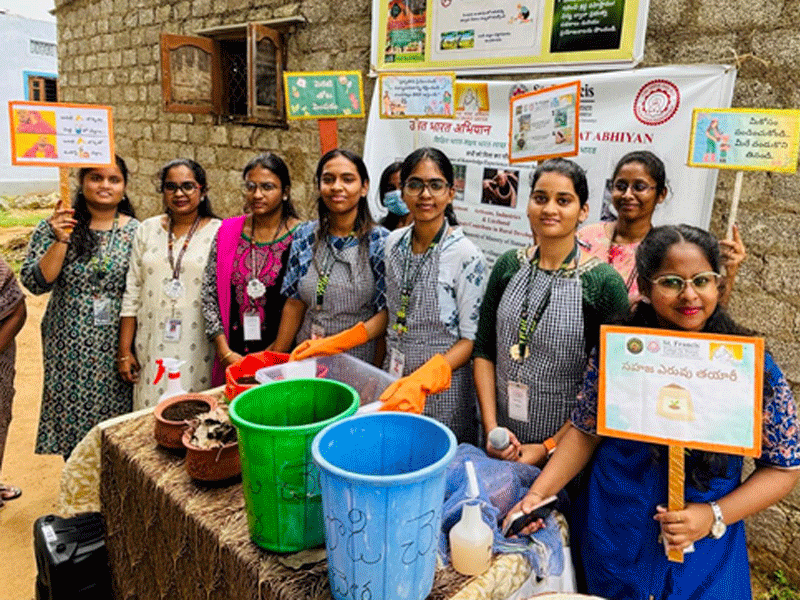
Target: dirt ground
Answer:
pixel 37 475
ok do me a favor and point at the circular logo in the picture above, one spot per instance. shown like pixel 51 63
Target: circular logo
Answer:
pixel 635 345
pixel 657 102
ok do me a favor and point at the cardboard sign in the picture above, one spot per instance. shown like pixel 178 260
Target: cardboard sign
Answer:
pixel 324 95
pixel 544 123
pixel 679 388
pixel 745 139
pixel 50 134
pixel 417 95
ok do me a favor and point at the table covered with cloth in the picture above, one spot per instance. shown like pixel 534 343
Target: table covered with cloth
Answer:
pixel 171 537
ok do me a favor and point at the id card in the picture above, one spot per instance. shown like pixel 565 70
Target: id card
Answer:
pixel 397 362
pixel 252 327
pixel 172 330
pixel 518 401
pixel 101 308
pixel 317 331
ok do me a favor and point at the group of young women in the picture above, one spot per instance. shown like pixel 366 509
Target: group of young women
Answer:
pixel 518 350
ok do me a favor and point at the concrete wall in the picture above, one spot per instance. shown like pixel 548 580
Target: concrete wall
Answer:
pixel 16 33
pixel 110 55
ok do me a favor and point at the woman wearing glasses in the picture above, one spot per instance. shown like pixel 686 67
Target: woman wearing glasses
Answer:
pixel 335 280
pixel 540 318
pixel 242 299
pixel 621 547
pixel 161 308
pixel 435 278
pixel 638 187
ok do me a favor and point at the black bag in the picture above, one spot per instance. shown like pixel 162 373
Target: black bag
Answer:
pixel 71 558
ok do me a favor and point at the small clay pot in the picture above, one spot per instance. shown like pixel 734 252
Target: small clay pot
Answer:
pixel 173 413
pixel 211 464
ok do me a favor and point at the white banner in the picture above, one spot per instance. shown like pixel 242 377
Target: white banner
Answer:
pixel 622 111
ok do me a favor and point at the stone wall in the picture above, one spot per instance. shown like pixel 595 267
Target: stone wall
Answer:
pixel 109 54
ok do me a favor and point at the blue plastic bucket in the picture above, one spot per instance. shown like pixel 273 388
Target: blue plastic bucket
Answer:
pixel 276 423
pixel 382 478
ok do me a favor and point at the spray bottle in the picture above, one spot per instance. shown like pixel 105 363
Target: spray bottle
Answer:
pixel 471 539
pixel 170 366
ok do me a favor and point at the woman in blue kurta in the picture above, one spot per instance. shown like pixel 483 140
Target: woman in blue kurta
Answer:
pixel 620 518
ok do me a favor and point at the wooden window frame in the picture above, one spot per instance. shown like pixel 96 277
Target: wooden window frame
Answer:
pixel 208 41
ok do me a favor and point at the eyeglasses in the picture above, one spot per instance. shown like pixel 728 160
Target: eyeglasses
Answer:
pixel 250 187
pixel 638 187
pixel 672 285
pixel 437 187
pixel 187 187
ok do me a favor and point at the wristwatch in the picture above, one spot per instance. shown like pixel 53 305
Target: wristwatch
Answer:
pixel 718 527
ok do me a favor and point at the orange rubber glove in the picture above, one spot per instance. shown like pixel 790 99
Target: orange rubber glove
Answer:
pixel 408 393
pixel 333 344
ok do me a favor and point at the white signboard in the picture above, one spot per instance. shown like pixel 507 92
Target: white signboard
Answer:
pixel 619 112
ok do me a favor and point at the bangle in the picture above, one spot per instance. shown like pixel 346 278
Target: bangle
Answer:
pixel 227 354
pixel 124 358
pixel 550 445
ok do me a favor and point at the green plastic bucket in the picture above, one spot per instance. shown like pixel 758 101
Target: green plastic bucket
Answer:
pixel 276 423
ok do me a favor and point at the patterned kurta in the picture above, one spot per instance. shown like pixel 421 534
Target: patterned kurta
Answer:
pixel 81 384
pixel 145 299
pixel 10 297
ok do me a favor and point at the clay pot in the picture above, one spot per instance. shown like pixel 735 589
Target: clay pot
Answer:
pixel 173 413
pixel 211 464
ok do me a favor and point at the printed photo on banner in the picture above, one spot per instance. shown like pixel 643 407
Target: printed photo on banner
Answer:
pixel 745 139
pixel 544 123
pixel 687 389
pixel 324 94
pixel 417 95
pixel 512 35
pixel 60 135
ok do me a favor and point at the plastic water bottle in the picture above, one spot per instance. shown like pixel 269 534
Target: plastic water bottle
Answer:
pixel 471 539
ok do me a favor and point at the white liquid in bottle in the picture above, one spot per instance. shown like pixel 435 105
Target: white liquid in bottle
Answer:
pixel 471 539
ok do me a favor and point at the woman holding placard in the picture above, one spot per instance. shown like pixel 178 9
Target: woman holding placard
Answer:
pixel 540 317
pixel 639 185
pixel 81 255
pixel 621 520
pixel 335 282
pixel 242 298
pixel 161 308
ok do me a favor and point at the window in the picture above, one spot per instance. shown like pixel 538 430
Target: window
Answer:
pixel 42 89
pixel 43 48
pixel 234 71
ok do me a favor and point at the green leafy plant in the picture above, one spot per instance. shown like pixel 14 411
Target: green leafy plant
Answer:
pixel 780 588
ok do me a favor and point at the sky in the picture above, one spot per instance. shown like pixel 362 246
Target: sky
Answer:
pixel 35 9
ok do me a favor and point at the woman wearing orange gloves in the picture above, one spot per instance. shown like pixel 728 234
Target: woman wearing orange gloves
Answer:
pixel 435 279
pixel 335 280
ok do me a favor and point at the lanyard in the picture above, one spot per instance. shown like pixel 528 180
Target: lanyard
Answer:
pixel 176 265
pixel 521 349
pixel 102 261
pixel 327 268
pixel 410 280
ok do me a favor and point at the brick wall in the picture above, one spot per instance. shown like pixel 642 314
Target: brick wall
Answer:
pixel 109 54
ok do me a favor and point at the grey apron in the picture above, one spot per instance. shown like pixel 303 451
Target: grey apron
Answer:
pixel 348 297
pixel 554 369
pixel 456 407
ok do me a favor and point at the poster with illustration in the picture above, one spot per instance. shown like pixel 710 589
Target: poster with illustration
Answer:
pixel 694 390
pixel 417 95
pixel 482 36
pixel 544 123
pixel 60 135
pixel 324 94
pixel 745 139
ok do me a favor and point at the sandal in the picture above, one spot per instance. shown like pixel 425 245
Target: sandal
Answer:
pixel 9 492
